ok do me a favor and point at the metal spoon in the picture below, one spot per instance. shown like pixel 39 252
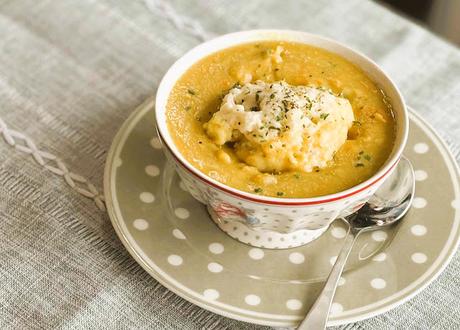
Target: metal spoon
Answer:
pixel 389 204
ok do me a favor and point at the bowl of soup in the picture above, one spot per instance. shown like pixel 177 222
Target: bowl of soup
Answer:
pixel 279 132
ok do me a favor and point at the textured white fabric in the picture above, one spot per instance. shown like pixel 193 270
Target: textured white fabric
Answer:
pixel 70 74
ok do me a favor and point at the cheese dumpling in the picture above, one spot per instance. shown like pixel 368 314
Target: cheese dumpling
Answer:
pixel 278 127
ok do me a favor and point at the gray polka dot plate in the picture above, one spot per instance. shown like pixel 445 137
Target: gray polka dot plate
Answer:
pixel 172 237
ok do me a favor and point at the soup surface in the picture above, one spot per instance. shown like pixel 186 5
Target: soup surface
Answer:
pixel 198 96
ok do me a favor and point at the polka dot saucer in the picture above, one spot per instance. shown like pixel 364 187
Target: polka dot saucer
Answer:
pixel 172 237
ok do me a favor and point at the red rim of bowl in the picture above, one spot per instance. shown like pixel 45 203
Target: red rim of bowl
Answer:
pixel 268 200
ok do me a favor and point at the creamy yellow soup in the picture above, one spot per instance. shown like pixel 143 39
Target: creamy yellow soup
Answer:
pixel 199 93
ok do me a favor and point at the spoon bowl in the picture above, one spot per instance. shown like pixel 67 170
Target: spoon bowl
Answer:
pixel 387 206
pixel 390 203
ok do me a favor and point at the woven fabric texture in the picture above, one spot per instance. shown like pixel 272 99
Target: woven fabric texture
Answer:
pixel 70 74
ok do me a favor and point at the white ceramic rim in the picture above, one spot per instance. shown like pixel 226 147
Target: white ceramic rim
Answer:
pixel 232 39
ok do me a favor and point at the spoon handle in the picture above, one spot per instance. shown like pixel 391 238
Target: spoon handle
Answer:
pixel 319 312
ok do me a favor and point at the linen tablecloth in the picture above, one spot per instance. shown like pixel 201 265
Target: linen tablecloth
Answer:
pixel 70 74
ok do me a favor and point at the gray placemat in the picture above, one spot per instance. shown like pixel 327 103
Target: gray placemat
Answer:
pixel 70 74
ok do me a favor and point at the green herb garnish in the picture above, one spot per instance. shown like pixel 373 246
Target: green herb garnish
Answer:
pixel 324 116
pixel 255 109
pixel 191 91
pixel 279 193
pixel 187 108
pixel 258 190
pixel 297 176
pixel 359 165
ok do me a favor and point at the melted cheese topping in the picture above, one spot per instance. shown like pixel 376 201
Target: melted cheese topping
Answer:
pixel 279 127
